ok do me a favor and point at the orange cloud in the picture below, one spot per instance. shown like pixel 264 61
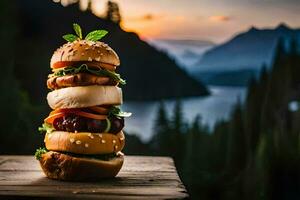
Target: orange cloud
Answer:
pixel 146 17
pixel 219 18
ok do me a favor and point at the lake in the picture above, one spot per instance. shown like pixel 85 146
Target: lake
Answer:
pixel 212 108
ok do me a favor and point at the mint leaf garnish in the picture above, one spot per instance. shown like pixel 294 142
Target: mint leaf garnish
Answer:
pixel 70 37
pixel 92 36
pixel 96 35
pixel 77 30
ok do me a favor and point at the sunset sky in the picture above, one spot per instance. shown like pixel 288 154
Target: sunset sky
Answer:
pixel 215 20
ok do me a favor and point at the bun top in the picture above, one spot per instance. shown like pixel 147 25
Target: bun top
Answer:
pixel 85 50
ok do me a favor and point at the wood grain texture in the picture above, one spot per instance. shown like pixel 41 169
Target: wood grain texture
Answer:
pixel 141 177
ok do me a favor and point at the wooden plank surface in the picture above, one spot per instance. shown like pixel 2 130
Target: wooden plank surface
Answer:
pixel 141 177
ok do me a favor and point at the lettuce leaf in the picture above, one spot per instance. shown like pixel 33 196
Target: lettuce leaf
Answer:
pixel 116 111
pixel 84 68
pixel 48 128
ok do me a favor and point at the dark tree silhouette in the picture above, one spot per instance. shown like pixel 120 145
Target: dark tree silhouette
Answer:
pixel 113 12
pixel 159 141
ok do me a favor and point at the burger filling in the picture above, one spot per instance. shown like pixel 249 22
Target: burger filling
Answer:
pixel 80 79
pixel 83 73
pixel 106 157
pixel 74 123
pixel 98 119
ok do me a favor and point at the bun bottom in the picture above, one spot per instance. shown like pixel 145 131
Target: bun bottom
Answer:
pixel 60 166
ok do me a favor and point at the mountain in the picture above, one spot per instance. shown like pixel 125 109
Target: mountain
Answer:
pixel 245 52
pixel 196 43
pixel 184 51
pixel 150 73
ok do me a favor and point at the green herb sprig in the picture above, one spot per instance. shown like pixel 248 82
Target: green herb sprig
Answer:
pixel 39 152
pixel 48 128
pixel 116 111
pixel 92 36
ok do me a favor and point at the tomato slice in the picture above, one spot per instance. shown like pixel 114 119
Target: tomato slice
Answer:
pixel 90 115
pixel 100 110
pixel 62 64
pixel 50 119
pixel 62 112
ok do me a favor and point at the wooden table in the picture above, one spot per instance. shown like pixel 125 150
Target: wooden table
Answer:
pixel 141 177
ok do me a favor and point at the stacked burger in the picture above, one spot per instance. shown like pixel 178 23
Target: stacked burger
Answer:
pixel 84 135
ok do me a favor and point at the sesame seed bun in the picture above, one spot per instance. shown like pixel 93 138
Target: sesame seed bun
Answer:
pixel 84 96
pixel 84 50
pixel 64 167
pixel 84 142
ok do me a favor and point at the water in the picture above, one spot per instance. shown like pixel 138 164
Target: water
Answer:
pixel 215 107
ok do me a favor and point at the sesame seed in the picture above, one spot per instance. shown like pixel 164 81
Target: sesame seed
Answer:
pixel 82 54
pixel 103 141
pixel 116 147
pixel 72 140
pixel 97 59
pixel 78 142
pixel 86 145
pixel 91 136
pixel 100 135
pixel 75 131
pixel 101 54
pixel 90 59
pixel 114 141
pixel 122 138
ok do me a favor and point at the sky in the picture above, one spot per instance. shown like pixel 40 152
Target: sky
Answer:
pixel 213 20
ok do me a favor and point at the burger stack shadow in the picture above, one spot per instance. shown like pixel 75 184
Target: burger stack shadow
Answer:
pixel 83 133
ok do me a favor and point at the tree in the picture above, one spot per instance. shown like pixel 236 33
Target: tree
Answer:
pixel 159 141
pixel 113 12
pixel 237 142
pixel 177 119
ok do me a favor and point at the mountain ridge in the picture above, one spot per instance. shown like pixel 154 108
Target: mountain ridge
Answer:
pixel 246 50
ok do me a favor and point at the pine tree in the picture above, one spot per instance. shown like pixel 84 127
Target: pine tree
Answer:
pixel 177 120
pixel 159 141
pixel 113 12
pixel 274 89
pixel 237 142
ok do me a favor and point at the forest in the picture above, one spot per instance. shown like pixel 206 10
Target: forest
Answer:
pixel 253 155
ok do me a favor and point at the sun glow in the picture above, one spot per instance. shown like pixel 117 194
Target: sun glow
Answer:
pixel 197 19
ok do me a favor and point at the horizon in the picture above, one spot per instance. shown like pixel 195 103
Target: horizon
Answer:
pixel 235 34
pixel 200 20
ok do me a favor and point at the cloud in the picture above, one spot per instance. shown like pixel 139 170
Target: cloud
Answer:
pixel 220 18
pixel 146 17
